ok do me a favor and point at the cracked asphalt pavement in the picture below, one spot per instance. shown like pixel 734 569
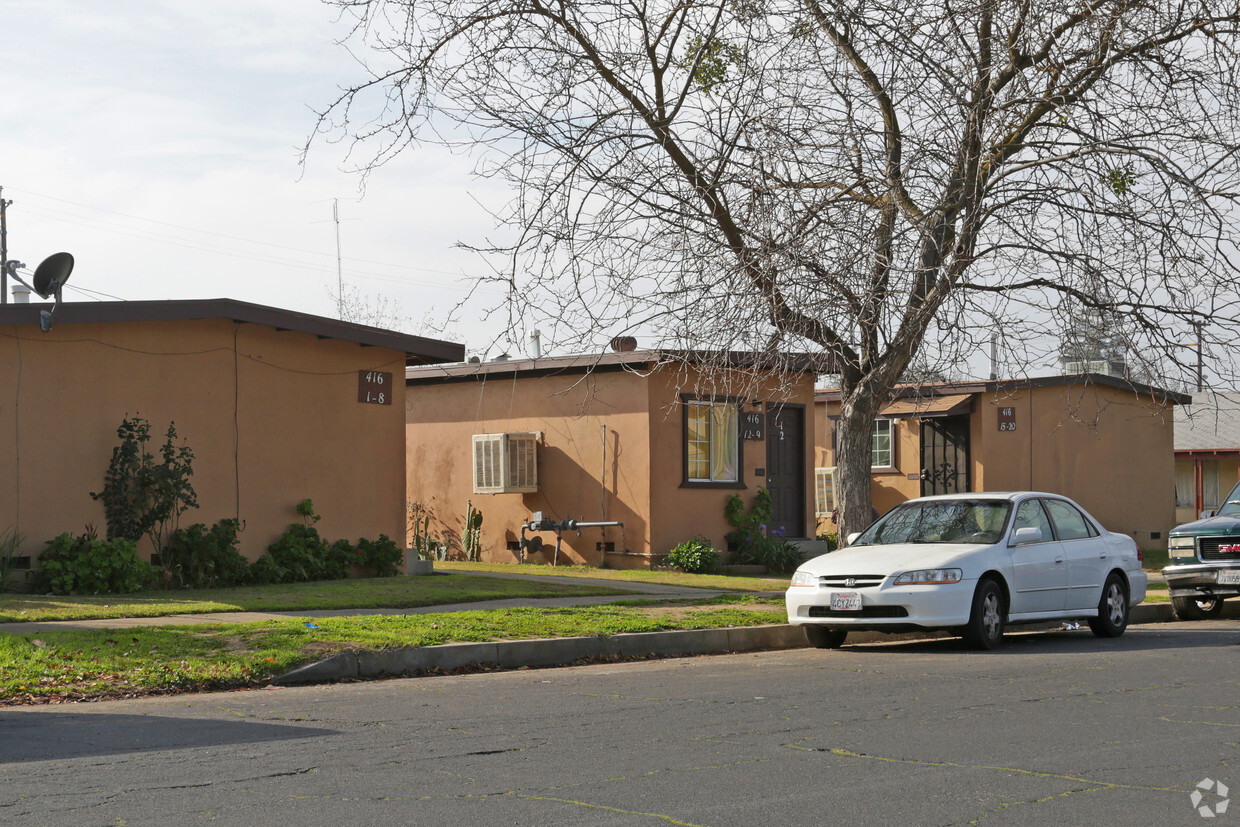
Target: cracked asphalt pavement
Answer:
pixel 1054 727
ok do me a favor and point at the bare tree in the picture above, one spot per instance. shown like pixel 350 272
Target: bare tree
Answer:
pixel 879 180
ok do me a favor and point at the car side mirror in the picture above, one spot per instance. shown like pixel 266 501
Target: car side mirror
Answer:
pixel 852 538
pixel 1209 512
pixel 1027 535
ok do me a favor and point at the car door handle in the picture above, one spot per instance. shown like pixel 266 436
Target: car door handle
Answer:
pixel 1059 561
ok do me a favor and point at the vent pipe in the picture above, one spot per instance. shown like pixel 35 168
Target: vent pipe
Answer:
pixel 535 344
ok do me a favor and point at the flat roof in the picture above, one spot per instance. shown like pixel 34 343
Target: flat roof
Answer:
pixel 933 389
pixel 611 361
pixel 418 350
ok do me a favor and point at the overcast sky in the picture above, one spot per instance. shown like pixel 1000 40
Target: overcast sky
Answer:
pixel 158 142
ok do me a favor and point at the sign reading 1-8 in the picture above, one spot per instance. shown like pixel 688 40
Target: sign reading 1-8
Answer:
pixel 374 387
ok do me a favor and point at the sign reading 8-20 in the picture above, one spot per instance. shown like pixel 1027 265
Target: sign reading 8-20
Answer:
pixel 374 387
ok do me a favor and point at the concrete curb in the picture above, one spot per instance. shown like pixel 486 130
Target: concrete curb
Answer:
pixel 516 654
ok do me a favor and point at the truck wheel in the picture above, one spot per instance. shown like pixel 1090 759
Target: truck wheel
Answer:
pixel 821 638
pixel 1197 608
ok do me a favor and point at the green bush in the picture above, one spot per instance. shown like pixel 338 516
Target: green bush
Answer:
pixel 88 565
pixel 10 541
pixel 696 556
pixel 780 555
pixel 300 554
pixel 145 494
pixel 747 541
pixel 200 558
pixel 381 556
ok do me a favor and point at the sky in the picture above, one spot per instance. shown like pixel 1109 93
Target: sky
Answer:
pixel 159 143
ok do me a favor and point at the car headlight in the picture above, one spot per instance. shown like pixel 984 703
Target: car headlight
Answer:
pixel 928 577
pixel 1179 543
pixel 804 578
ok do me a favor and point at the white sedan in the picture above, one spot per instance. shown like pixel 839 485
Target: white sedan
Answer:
pixel 972 563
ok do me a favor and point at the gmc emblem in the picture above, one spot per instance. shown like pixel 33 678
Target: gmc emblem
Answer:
pixel 1229 548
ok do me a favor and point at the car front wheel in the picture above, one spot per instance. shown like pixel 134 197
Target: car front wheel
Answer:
pixel 1112 617
pixel 985 628
pixel 821 638
pixel 1197 608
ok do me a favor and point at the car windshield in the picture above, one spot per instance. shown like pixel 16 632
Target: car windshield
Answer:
pixel 939 521
pixel 1231 506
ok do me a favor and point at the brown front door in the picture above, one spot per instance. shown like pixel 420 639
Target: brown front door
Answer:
pixel 785 470
pixel 944 455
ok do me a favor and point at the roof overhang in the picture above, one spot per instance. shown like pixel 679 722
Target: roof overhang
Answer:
pixel 928 407
pixel 417 349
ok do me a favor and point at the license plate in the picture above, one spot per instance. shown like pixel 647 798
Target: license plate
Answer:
pixel 1229 577
pixel 845 602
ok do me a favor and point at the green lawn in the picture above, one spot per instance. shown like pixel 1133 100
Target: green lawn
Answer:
pixel 766 583
pixel 359 593
pixel 57 666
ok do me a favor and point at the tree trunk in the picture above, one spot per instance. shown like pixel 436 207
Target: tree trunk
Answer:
pixel 853 460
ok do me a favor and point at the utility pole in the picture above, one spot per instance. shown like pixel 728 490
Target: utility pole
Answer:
pixel 4 249
pixel 339 277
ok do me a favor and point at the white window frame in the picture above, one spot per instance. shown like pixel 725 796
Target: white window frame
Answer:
pixel 876 453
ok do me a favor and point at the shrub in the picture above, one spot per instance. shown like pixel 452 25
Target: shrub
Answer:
pixel 200 558
pixel 300 554
pixel 88 565
pixel 381 556
pixel 747 541
pixel 782 556
pixel 144 494
pixel 10 541
pixel 696 556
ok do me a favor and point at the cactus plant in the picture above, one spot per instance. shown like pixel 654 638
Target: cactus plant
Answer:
pixel 472 536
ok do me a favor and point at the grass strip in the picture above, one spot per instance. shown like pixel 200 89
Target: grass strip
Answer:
pixel 60 666
pixel 359 593
pixel 766 583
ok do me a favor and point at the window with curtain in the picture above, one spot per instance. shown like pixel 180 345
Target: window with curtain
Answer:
pixel 1210 496
pixel 1184 496
pixel 712 451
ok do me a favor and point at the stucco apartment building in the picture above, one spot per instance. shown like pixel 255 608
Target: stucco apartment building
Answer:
pixel 1102 441
pixel 655 440
pixel 277 407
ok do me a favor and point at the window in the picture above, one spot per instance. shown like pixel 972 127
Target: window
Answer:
pixel 712 450
pixel 1031 515
pixel 1069 523
pixel 880 445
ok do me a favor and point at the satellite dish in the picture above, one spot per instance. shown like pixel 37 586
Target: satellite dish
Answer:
pixel 51 275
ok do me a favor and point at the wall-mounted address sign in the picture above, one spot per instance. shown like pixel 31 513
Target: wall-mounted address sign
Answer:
pixel 753 425
pixel 1007 419
pixel 374 387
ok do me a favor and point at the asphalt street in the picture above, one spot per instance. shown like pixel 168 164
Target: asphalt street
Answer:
pixel 1055 726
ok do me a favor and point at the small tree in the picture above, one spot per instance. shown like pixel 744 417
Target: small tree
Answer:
pixel 145 495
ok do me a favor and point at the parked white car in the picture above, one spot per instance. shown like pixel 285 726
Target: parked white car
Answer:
pixel 972 563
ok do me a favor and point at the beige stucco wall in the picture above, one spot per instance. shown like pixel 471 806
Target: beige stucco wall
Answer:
pixel 272 418
pixel 611 451
pixel 1106 448
pixel 594 446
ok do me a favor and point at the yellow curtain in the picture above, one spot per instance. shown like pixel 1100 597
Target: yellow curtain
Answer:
pixel 723 443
